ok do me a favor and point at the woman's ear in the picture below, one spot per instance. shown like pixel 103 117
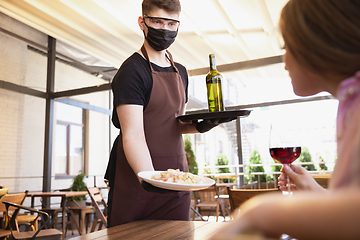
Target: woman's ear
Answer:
pixel 141 23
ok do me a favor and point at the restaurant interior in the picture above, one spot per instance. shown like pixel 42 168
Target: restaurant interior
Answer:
pixel 57 61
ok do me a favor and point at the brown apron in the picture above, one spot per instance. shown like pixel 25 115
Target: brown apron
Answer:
pixel 130 202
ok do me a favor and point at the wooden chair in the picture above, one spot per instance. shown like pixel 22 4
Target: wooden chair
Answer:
pixel 41 233
pixel 4 233
pixel 100 216
pixel 82 212
pixel 238 196
pixel 107 184
pixel 28 220
pixel 208 200
pixel 322 179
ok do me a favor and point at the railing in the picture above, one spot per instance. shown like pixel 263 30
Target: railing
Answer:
pixel 236 173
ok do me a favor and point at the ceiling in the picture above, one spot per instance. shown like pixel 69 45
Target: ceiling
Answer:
pixel 235 30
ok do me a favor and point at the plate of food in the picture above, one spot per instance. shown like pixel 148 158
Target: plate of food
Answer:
pixel 176 180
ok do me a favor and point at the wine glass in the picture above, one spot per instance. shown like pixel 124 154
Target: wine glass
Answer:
pixel 284 146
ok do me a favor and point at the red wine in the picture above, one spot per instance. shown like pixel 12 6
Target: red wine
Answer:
pixel 285 155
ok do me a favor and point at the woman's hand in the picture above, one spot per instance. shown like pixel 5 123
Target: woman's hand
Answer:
pixel 253 219
pixel 300 177
pixel 304 215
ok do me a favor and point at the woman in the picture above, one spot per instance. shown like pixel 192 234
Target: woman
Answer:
pixel 322 42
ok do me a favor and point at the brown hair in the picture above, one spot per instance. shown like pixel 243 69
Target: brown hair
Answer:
pixel 171 6
pixel 323 35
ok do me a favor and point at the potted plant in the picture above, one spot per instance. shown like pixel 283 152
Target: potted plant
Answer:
pixel 78 185
pixel 222 161
pixel 305 156
pixel 255 158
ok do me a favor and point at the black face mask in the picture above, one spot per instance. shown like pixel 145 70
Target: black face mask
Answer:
pixel 160 39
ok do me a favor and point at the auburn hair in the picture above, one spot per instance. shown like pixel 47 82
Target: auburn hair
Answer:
pixel 323 35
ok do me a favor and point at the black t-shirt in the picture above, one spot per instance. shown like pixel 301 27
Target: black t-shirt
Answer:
pixel 133 82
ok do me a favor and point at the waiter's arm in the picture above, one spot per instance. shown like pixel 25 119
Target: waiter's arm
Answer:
pixel 187 128
pixel 132 128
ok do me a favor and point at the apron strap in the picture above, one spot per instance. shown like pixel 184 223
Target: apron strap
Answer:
pixel 168 56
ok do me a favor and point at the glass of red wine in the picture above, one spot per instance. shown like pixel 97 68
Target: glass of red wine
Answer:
pixel 284 147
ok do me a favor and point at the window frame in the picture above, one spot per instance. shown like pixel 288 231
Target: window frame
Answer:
pixel 85 144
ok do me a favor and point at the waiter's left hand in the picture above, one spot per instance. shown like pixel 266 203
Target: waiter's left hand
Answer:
pixel 151 188
pixel 208 124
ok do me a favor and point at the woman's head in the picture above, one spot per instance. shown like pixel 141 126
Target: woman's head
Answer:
pixel 323 36
pixel 171 6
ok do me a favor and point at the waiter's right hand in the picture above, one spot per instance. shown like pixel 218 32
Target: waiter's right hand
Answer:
pixel 151 188
pixel 208 124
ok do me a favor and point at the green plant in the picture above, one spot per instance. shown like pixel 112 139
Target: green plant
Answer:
pixel 78 185
pixel 222 161
pixel 255 158
pixel 190 156
pixel 207 170
pixel 322 164
pixel 275 168
pixel 305 156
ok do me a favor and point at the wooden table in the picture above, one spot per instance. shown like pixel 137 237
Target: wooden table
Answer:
pixel 165 230
pixel 64 195
pixel 157 229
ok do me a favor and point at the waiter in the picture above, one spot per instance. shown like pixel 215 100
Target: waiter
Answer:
pixel 150 91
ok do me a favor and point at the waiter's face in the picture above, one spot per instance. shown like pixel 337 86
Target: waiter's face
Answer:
pixel 155 19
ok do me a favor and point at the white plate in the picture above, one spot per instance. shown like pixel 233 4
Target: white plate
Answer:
pixel 204 183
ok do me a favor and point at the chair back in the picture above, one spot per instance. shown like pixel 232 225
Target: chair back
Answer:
pixel 238 196
pixel 107 184
pixel 209 194
pixel 97 199
pixel 207 200
pixel 322 179
pixel 31 234
pixel 13 198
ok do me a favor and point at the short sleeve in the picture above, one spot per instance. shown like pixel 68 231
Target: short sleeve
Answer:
pixel 132 83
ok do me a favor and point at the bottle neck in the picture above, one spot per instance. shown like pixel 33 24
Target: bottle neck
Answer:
pixel 212 62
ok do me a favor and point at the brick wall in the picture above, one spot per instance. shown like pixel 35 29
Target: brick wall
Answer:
pixel 22 117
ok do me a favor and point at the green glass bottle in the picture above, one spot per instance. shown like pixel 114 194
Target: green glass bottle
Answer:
pixel 213 85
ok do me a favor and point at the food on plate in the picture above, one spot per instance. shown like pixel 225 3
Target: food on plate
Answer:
pixel 176 176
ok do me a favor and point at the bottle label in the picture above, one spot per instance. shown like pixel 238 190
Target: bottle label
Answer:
pixel 214 80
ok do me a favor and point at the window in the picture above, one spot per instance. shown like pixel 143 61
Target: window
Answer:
pixel 314 122
pixel 69 140
pixel 220 144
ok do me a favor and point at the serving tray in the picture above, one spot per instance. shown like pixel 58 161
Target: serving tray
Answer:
pixel 212 115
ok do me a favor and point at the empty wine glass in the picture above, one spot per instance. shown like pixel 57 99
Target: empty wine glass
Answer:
pixel 284 146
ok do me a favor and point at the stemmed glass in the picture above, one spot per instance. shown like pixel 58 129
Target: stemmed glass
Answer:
pixel 284 147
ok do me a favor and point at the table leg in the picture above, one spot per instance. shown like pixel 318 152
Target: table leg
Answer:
pixel 63 206
pixel 81 222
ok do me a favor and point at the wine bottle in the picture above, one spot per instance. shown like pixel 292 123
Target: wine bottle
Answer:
pixel 213 85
